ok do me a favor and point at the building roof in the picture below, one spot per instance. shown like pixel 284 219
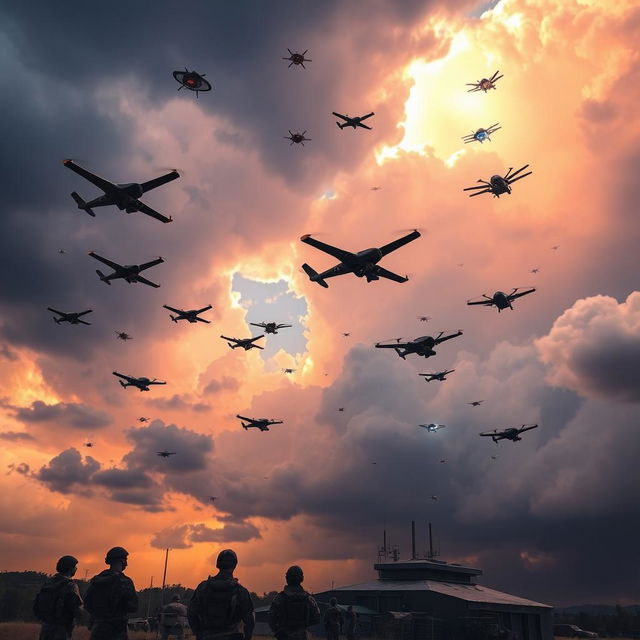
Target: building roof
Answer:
pixel 468 592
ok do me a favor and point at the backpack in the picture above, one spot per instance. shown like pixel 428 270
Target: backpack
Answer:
pixel 220 604
pixel 296 610
pixel 103 597
pixel 49 603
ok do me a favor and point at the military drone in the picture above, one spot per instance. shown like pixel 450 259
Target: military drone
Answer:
pixel 123 335
pixel 190 316
pixel 362 264
pixel 499 184
pixel 165 453
pixel 88 444
pixel 297 138
pixel 485 84
pixel 424 318
pixel 124 196
pixel 441 376
pixel 140 383
pixel 511 433
pixel 143 419
pixel 501 300
pixel 340 408
pixel 433 428
pixel 71 318
pixel 354 122
pixel 481 134
pixel 128 272
pixel 192 80
pixel 434 498
pixel 422 346
pixel 376 188
pixel 289 370
pixel 245 343
pixel 270 327
pixel 476 403
pixel 259 423
pixel 536 270
pixel 297 58
pixel 346 335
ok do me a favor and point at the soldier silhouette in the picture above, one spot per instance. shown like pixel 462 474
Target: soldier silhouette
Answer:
pixel 221 608
pixel 293 610
pixel 111 596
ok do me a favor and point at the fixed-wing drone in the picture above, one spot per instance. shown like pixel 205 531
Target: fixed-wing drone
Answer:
pixel 259 423
pixel 297 58
pixel 123 335
pixel 422 346
pixel 143 419
pixel 297 138
pixel 245 343
pixel 165 453
pixel 191 315
pixel 481 134
pixel 340 408
pixel 140 383
pixel 192 80
pixel 270 327
pixel 128 272
pixel 289 370
pixel 433 428
pixel 124 196
pixel 362 264
pixel 485 84
pixel 434 498
pixel 424 318
pixel 376 188
pixel 352 122
pixel 441 376
pixel 501 300
pixel 346 335
pixel 511 433
pixel 476 403
pixel 536 270
pixel 71 318
pixel 499 184
pixel 88 444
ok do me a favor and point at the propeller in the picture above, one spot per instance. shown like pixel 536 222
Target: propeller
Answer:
pixel 170 169
pixel 420 229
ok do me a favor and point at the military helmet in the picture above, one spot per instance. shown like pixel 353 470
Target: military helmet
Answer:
pixel 227 559
pixel 116 553
pixel 175 598
pixel 333 602
pixel 66 563
pixel 294 575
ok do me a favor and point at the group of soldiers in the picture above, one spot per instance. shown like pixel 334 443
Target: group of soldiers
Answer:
pixel 220 608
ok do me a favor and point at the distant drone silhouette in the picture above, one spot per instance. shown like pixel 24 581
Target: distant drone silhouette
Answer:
pixel 297 58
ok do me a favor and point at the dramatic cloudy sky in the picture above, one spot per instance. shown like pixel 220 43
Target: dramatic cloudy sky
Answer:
pixel 554 517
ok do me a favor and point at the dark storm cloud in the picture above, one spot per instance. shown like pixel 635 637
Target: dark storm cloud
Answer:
pixel 7 354
pixel 75 415
pixel 594 348
pixel 68 473
pixel 16 436
pixel 186 535
pixel 179 403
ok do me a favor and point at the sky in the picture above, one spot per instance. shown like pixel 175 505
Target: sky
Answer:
pixel 553 517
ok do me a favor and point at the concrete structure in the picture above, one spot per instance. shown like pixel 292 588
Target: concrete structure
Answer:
pixel 435 600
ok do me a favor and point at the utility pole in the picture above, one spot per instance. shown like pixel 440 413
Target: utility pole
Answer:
pixel 149 598
pixel 164 576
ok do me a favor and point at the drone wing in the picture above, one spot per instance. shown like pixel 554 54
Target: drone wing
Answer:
pixel 283 326
pixel 121 375
pixel 178 311
pixel 114 265
pixel 84 313
pixel 252 340
pixel 339 254
pixel 484 302
pixel 60 313
pixel 389 275
pixel 101 183
pixel 527 427
pixel 157 182
pixel 339 115
pixel 262 325
pixel 400 242
pixel 156 382
pixel 442 339
pixel 204 309
pixel 395 345
pixel 143 208
pixel 250 420
pixel 519 294
pixel 148 282
pixel 153 263
pixel 490 434
pixel 230 339
pixel 364 126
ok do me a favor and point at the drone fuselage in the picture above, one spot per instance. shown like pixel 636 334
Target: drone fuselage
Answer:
pixel 499 185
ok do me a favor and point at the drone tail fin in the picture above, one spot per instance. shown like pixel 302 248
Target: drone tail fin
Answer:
pixel 102 277
pixel 173 318
pixel 82 204
pixel 123 384
pixel 399 352
pixel 314 276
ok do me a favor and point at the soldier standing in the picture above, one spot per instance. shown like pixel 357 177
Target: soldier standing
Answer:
pixel 111 596
pixel 58 602
pixel 351 623
pixel 293 609
pixel 333 620
pixel 221 608
pixel 172 618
